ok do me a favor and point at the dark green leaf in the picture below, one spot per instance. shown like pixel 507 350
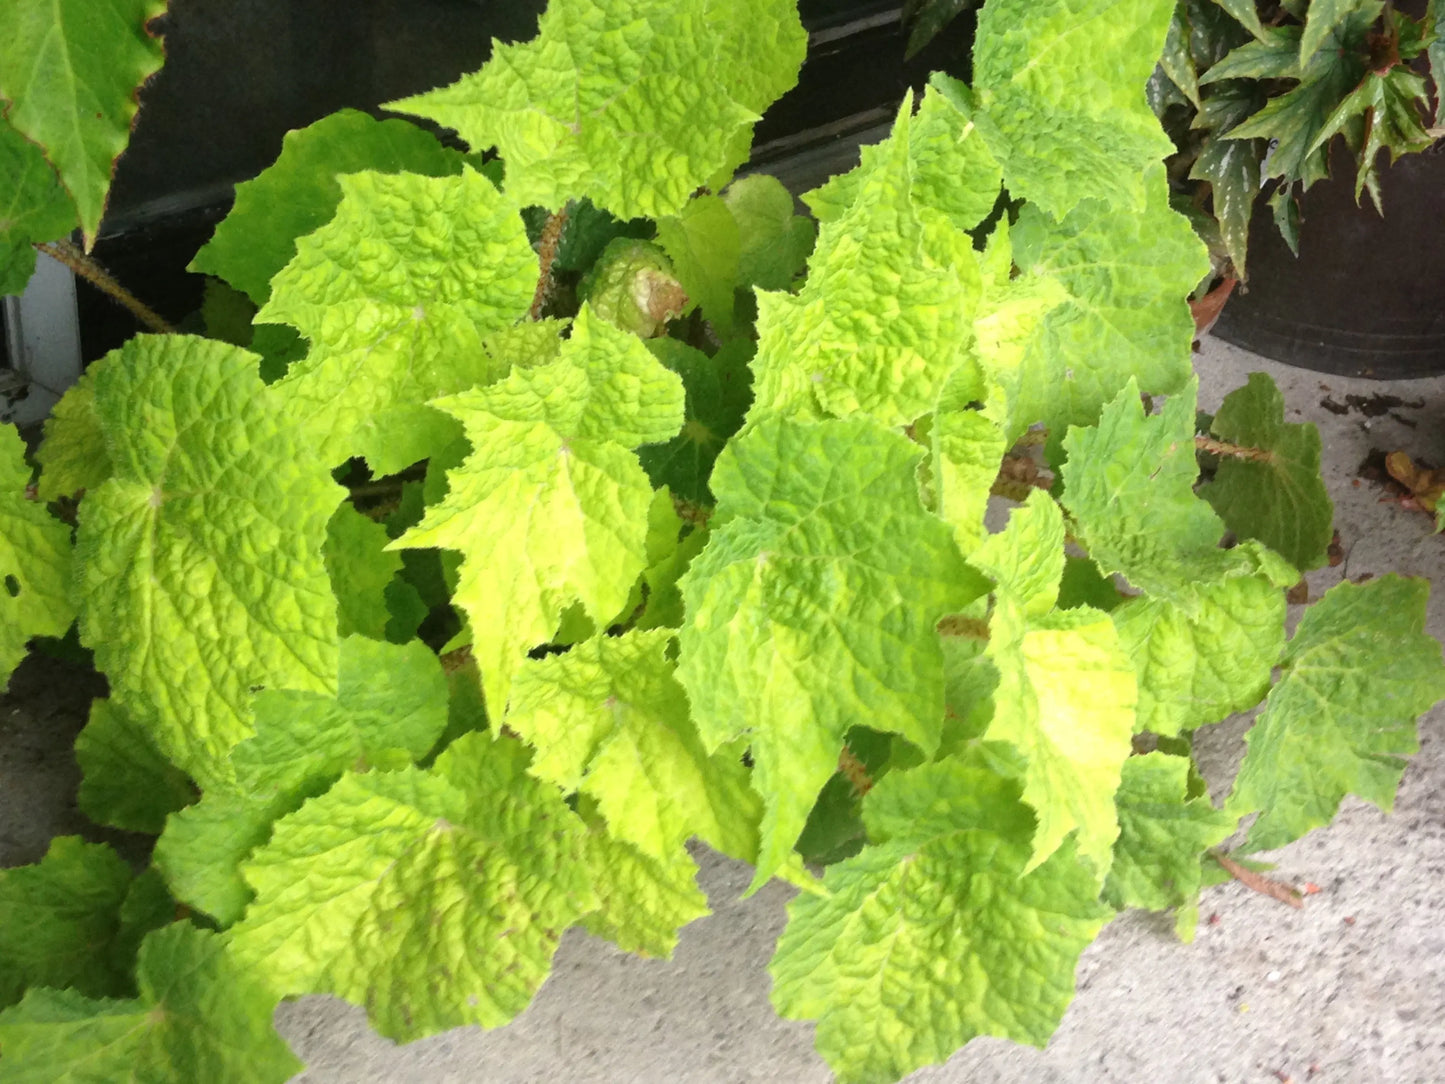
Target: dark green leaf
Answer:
pixel 719 391
pixel 1323 18
pixel 1231 166
pixel 1245 12
pixel 1285 208
pixel 1177 60
pixel 925 19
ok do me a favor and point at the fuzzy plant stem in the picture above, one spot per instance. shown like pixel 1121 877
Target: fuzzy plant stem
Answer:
pixel 1233 451
pixel 547 247
pixel 87 268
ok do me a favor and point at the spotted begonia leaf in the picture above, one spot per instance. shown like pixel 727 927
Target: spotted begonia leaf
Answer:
pixel 1059 88
pixel 389 709
pixel 433 898
pixel 555 439
pixel 896 983
pixel 199 1016
pixel 1341 720
pixel 300 191
pixel 200 566
pixel 1163 834
pixel 1195 670
pixel 396 294
pixel 35 561
pixel 608 718
pixel 634 113
pixel 813 608
pixel 886 314
pixel 70 69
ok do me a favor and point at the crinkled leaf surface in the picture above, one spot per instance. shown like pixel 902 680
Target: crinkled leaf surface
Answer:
pixel 434 899
pixel 886 313
pixel 633 112
pixel 125 782
pixel 389 709
pixel 200 563
pixel 953 171
pixel 1126 276
pixel 774 243
pixel 813 608
pixel 1341 720
pixel 71 69
pixel 1149 524
pixel 396 293
pixel 300 191
pixel 555 441
pixel 643 900
pixel 198 1017
pixel 937 933
pixel 608 718
pixel 1278 498
pixel 1163 834
pixel 1059 86
pixel 370 599
pixel 1065 699
pixel 34 207
pixel 1026 558
pixel 1195 670
pixel 60 914
pixel 35 561
pixel 718 393
pixel 968 447
pixel 73 455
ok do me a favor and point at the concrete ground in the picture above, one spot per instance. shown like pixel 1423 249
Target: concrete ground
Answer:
pixel 1349 990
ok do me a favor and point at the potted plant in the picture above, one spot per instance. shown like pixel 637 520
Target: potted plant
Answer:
pixel 599 502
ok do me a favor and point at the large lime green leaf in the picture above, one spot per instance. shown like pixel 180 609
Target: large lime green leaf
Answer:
pixel 936 934
pixel 1275 495
pixel 1163 833
pixel 396 293
pixel 1126 277
pixel 968 447
pixel 199 1017
pixel 813 609
pixel 1065 700
pixel 70 69
pixel 125 782
pixel 609 719
pixel 633 107
pixel 719 392
pixel 34 207
pixel 73 456
pixel 953 172
pixel 773 242
pixel 300 191
pixel 553 440
pixel 1342 718
pixel 35 561
pixel 1195 670
pixel 644 901
pixel 1148 524
pixel 389 709
pixel 886 313
pixel 1060 98
pixel 60 916
pixel 434 899
pixel 200 566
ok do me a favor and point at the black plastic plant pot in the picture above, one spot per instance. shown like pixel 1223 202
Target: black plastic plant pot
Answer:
pixel 1366 296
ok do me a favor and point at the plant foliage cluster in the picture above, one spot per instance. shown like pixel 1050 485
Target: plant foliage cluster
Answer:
pixel 558 506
